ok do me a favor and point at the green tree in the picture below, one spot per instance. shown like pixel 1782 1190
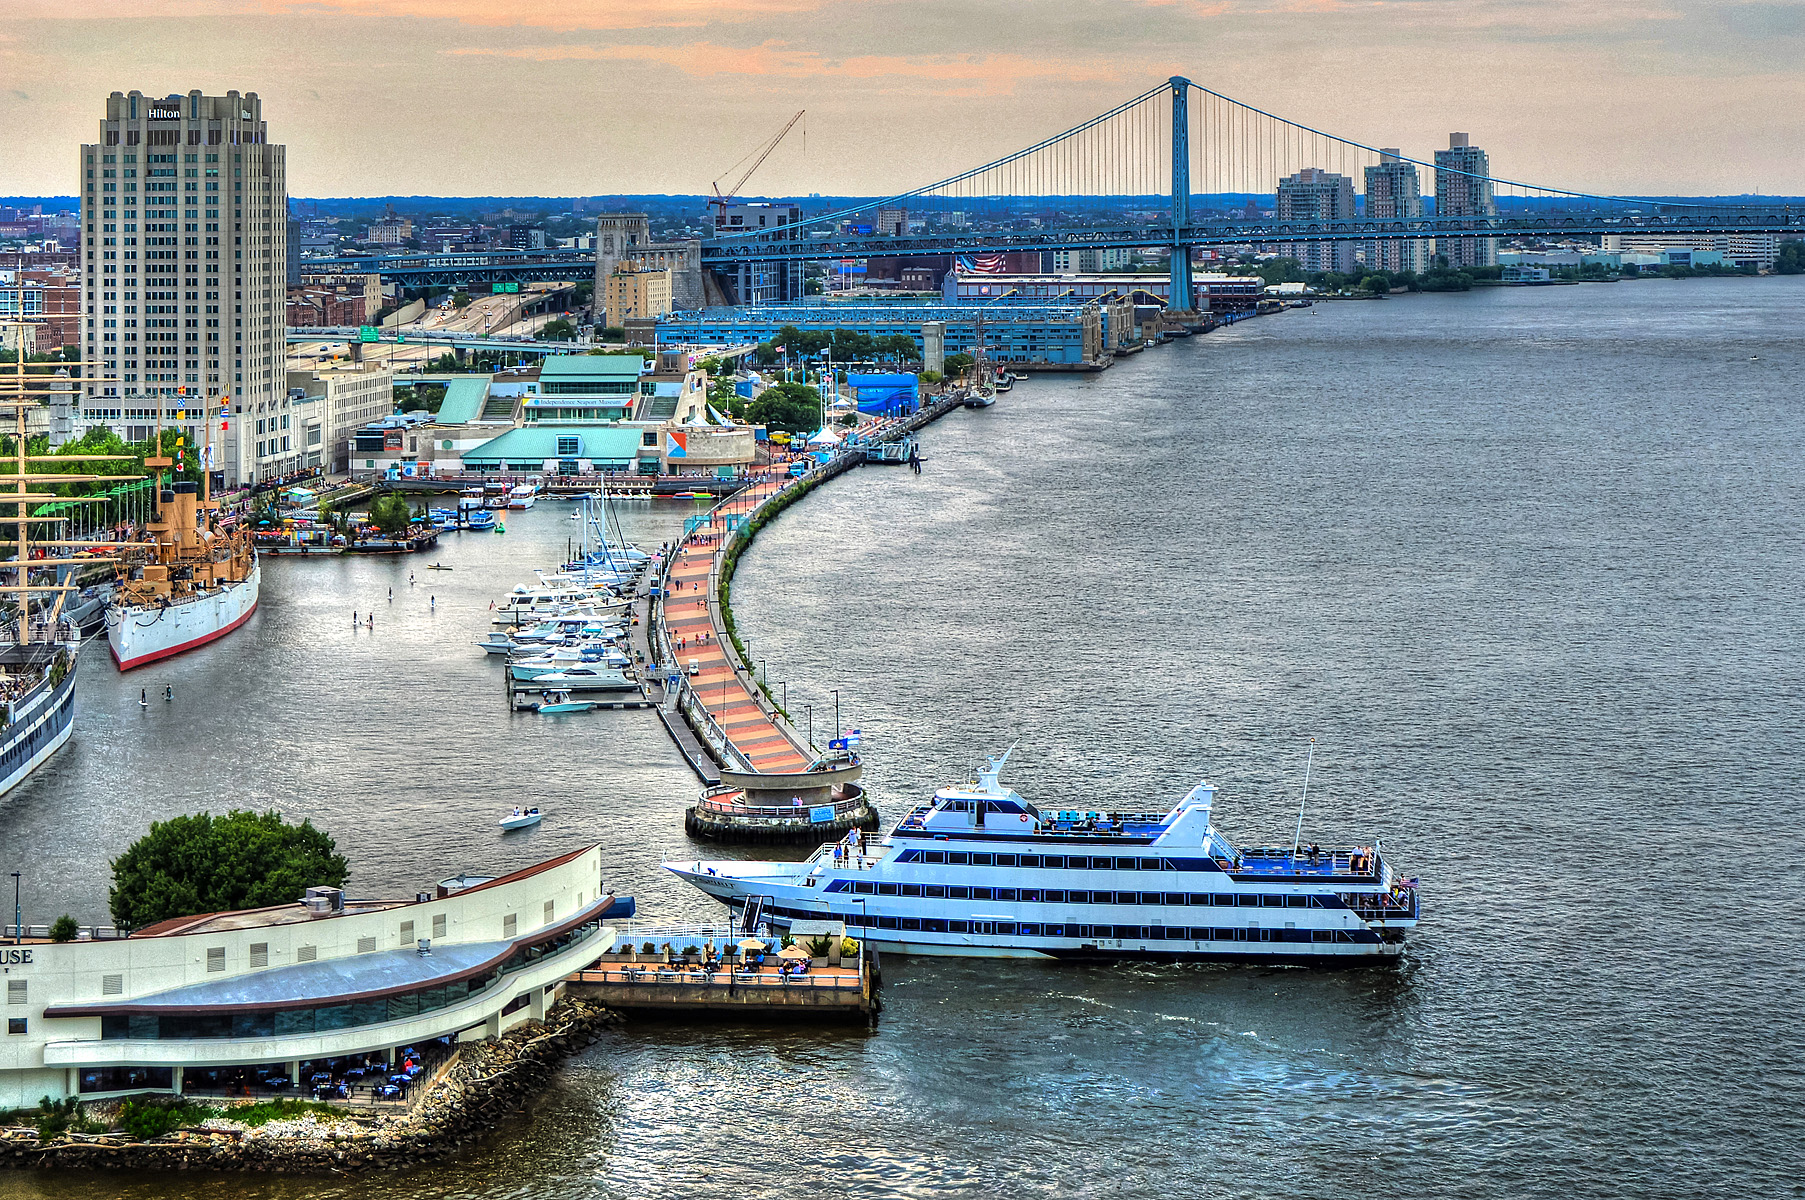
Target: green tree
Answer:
pixel 1791 259
pixel 390 513
pixel 1280 270
pixel 559 330
pixel 461 300
pixel 1378 283
pixel 791 407
pixel 201 864
pixel 64 929
pixel 956 363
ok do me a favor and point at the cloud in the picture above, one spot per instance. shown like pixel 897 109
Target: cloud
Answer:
pixel 775 59
pixel 558 14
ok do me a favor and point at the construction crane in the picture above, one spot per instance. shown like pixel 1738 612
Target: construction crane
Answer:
pixel 721 199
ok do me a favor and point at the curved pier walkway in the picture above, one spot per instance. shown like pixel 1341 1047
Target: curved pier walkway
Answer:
pixel 716 695
pixel 694 636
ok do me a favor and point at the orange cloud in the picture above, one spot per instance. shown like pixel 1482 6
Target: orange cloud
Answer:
pixel 777 59
pixel 561 14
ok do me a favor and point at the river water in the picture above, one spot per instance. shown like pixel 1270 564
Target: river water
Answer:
pixel 1526 563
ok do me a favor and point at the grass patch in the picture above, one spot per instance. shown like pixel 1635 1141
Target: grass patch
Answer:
pixel 265 1111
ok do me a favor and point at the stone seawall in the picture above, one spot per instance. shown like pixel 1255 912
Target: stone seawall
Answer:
pixel 491 1082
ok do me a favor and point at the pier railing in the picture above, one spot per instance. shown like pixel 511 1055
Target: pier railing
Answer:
pixel 738 978
pixel 717 800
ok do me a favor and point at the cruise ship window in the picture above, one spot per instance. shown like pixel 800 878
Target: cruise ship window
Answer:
pixel 958 893
pixel 934 856
pixel 1127 864
pixel 911 889
pixel 1175 897
pixel 1054 861
pixel 1005 860
pixel 1030 897
pixel 1005 893
pixel 1152 898
pixel 1272 901
pixel 1297 901
pixel 886 889
pixel 979 893
pixel 933 891
pixel 957 858
pixel 1247 901
pixel 1055 897
pixel 1030 860
pixel 980 860
pixel 864 889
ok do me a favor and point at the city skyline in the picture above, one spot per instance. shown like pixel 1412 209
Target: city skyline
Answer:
pixel 663 98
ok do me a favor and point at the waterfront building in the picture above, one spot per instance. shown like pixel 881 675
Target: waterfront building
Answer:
pixel 1463 188
pixel 1393 191
pixel 190 1002
pixel 1313 196
pixel 526 237
pixel 184 212
pixel 1090 262
pixel 1068 333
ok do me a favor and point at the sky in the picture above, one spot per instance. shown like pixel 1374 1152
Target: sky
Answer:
pixel 594 97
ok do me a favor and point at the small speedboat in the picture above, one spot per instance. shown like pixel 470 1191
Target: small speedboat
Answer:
pixel 560 702
pixel 521 818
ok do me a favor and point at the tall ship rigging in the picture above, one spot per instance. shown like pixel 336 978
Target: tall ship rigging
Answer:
pixel 38 639
pixel 194 578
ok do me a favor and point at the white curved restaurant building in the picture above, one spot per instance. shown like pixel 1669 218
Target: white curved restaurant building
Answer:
pixel 297 983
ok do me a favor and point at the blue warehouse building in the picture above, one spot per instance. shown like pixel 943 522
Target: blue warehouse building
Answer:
pixel 1069 333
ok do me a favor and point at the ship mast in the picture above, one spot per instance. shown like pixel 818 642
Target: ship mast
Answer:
pixel 19 496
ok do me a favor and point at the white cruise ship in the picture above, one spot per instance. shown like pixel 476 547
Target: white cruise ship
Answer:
pixel 981 872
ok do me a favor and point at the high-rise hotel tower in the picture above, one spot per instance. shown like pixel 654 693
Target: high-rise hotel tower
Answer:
pixel 184 234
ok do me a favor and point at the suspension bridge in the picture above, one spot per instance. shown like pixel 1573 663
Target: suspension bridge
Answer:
pixel 1178 155
pixel 1178 167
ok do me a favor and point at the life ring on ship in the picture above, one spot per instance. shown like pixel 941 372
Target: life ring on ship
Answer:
pixel 1024 818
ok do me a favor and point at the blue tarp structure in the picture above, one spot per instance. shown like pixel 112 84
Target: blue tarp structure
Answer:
pixel 885 394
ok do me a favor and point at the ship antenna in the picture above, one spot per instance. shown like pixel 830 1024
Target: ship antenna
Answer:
pixel 1299 835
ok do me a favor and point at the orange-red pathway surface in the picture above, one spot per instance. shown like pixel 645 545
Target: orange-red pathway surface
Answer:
pixel 695 639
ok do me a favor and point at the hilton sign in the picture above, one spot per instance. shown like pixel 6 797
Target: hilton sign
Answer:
pixel 165 112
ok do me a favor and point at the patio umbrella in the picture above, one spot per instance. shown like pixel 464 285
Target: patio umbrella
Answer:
pixel 753 944
pixel 792 952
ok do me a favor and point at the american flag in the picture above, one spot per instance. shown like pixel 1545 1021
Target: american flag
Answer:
pixel 989 263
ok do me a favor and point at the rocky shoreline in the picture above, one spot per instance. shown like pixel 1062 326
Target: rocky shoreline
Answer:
pixel 490 1082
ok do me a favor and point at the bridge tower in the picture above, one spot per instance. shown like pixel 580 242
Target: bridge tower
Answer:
pixel 1180 299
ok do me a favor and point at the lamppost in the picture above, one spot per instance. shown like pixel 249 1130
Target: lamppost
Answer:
pixel 810 710
pixel 18 913
pixel 837 730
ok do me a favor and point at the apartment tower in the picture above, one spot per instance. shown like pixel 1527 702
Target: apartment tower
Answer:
pixel 1463 188
pixel 1311 196
pixel 1393 193
pixel 185 230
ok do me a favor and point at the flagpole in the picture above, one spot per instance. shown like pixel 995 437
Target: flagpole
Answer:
pixel 1299 835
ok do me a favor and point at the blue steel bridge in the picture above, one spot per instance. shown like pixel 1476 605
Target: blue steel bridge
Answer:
pixel 1139 176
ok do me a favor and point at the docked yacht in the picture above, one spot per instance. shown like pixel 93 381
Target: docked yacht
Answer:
pixel 522 495
pixel 979 871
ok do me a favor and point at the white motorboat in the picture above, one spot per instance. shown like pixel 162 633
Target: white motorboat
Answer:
pixel 560 702
pixel 521 818
pixel 564 661
pixel 585 679
pixel 522 495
